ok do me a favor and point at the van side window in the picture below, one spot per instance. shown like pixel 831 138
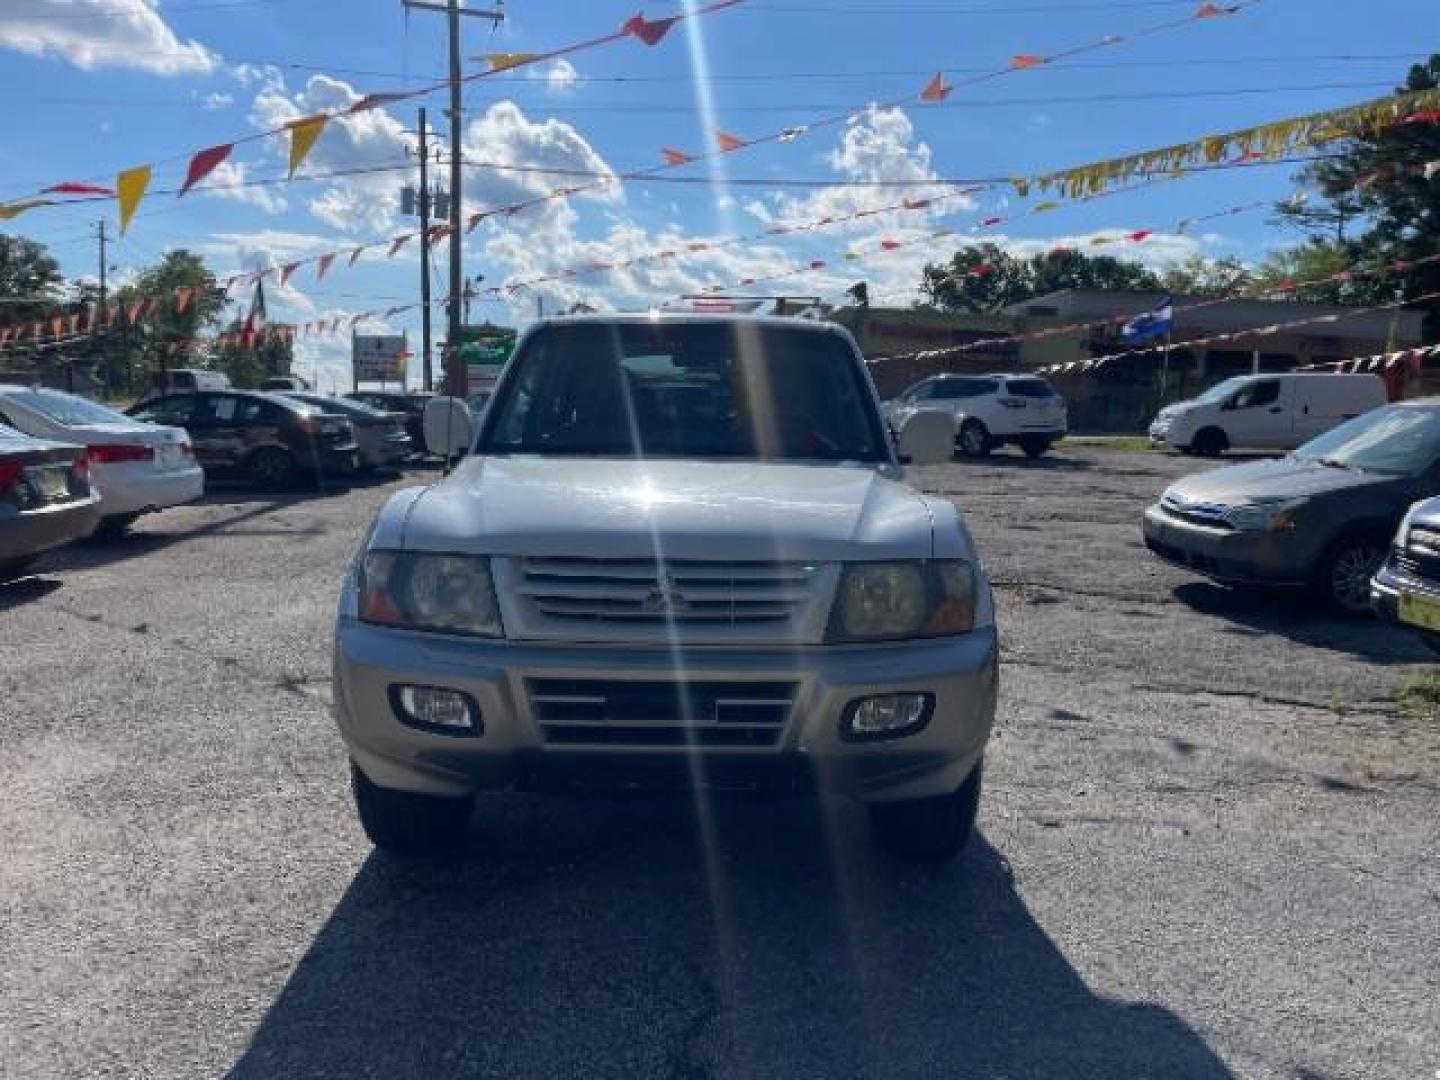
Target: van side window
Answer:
pixel 1257 394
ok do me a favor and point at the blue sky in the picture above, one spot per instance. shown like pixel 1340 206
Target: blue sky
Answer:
pixel 93 86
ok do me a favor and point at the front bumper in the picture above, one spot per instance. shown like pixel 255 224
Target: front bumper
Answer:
pixel 961 673
pixel 34 531
pixel 1387 585
pixel 1234 556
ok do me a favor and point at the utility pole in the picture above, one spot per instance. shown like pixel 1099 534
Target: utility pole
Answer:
pixel 454 370
pixel 428 373
pixel 100 317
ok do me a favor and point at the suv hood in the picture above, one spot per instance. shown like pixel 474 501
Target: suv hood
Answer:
pixel 608 508
pixel 1262 481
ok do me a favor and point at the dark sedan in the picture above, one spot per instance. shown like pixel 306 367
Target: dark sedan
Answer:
pixel 45 498
pixel 1321 518
pixel 274 441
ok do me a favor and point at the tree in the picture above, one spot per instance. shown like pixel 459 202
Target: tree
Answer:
pixel 166 335
pixel 246 365
pixel 1199 276
pixel 984 278
pixel 1314 260
pixel 1381 178
pixel 30 281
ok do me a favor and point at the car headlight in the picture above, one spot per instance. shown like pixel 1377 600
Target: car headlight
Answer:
pixel 1274 515
pixel 452 594
pixel 887 601
pixel 1402 534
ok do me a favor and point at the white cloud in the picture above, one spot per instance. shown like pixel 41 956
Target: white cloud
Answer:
pixel 561 76
pixel 227 181
pixel 101 33
pixel 216 100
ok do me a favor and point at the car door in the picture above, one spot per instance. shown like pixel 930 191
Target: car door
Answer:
pixel 1258 415
pixel 177 410
pixel 216 431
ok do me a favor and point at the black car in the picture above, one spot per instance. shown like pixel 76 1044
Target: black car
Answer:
pixel 1406 590
pixel 411 403
pixel 1322 517
pixel 274 441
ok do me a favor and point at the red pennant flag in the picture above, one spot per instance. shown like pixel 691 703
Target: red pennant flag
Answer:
pixel 747 281
pixel 1141 234
pixel 73 188
pixel 398 243
pixel 182 298
pixel 475 219
pixel 322 264
pixel 1026 60
pixel 437 233
pixel 915 204
pixel 675 157
pixel 699 246
pixel 728 142
pixel 889 245
pixel 355 255
pixel 204 163
pixel 286 271
pixel 1427 116
pixel 982 270
pixel 935 89
pixel 647 30
pixel 991 221
pixel 1213 11
pixel 374 101
pixel 817 264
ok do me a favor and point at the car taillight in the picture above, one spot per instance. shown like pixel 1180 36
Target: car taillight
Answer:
pixel 10 474
pixel 309 427
pixel 115 453
pixel 80 467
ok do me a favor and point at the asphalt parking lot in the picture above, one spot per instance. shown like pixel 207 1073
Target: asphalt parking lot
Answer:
pixel 1207 847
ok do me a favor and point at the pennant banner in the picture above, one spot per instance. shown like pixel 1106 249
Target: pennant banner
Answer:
pixel 130 188
pixel 303 134
pixel 204 163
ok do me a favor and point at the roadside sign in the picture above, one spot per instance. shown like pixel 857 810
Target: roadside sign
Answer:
pixel 379 357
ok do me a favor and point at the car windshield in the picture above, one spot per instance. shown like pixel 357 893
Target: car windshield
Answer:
pixel 686 389
pixel 1398 440
pixel 1220 391
pixel 68 409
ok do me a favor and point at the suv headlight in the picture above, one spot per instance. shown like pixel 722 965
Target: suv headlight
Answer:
pixel 452 594
pixel 888 601
pixel 1273 515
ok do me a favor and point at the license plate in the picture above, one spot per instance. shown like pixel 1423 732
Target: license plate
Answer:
pixel 53 483
pixel 1418 610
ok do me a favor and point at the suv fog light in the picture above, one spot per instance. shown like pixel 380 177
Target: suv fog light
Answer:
pixel 887 716
pixel 448 712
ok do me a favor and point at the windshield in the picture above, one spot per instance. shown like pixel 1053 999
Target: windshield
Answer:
pixel 68 409
pixel 686 389
pixel 1397 439
pixel 1220 391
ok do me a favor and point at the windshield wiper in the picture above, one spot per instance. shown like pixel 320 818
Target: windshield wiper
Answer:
pixel 1333 463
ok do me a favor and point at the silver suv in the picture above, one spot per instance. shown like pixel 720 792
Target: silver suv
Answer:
pixel 681 551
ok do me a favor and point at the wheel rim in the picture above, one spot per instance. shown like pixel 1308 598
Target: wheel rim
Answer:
pixel 972 440
pixel 270 468
pixel 1351 573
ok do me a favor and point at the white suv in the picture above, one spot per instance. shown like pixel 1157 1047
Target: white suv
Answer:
pixel 680 550
pixel 991 410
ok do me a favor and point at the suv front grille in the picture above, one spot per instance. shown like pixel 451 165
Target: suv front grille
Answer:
pixel 676 591
pixel 603 712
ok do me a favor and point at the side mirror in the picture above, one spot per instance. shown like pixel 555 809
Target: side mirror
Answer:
pixel 448 426
pixel 927 437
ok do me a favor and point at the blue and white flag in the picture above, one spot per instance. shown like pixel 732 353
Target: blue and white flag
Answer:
pixel 1158 322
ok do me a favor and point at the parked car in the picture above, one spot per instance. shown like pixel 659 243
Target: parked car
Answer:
pixel 45 498
pixel 137 467
pixel 991 410
pixel 186 380
pixel 411 403
pixel 1265 412
pixel 1322 517
pixel 1406 589
pixel 273 441
pixel 681 550
pixel 380 435
pixel 283 383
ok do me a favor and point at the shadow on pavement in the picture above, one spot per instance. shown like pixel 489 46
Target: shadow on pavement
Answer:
pixel 1016 460
pixel 1299 617
pixel 26 589
pixel 601 941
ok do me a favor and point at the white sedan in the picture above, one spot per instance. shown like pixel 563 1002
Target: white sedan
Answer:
pixel 135 467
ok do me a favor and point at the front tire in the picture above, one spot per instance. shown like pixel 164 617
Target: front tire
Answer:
pixel 406 822
pixel 1209 442
pixel 973 439
pixel 1343 577
pixel 1035 446
pixel 929 830
pixel 274 470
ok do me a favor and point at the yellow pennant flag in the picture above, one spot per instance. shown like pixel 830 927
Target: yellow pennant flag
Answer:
pixel 15 209
pixel 303 134
pixel 130 188
pixel 499 61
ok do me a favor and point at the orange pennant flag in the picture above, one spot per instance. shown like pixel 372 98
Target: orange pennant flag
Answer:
pixel 399 242
pixel 674 157
pixel 130 188
pixel 355 255
pixel 935 89
pixel 182 298
pixel 501 61
pixel 728 142
pixel 1026 60
pixel 303 134
pixel 1214 11
pixel 15 209
pixel 474 220
pixel 322 264
pixel 286 271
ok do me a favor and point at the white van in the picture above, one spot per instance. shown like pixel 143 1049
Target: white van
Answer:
pixel 1265 412
pixel 188 380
